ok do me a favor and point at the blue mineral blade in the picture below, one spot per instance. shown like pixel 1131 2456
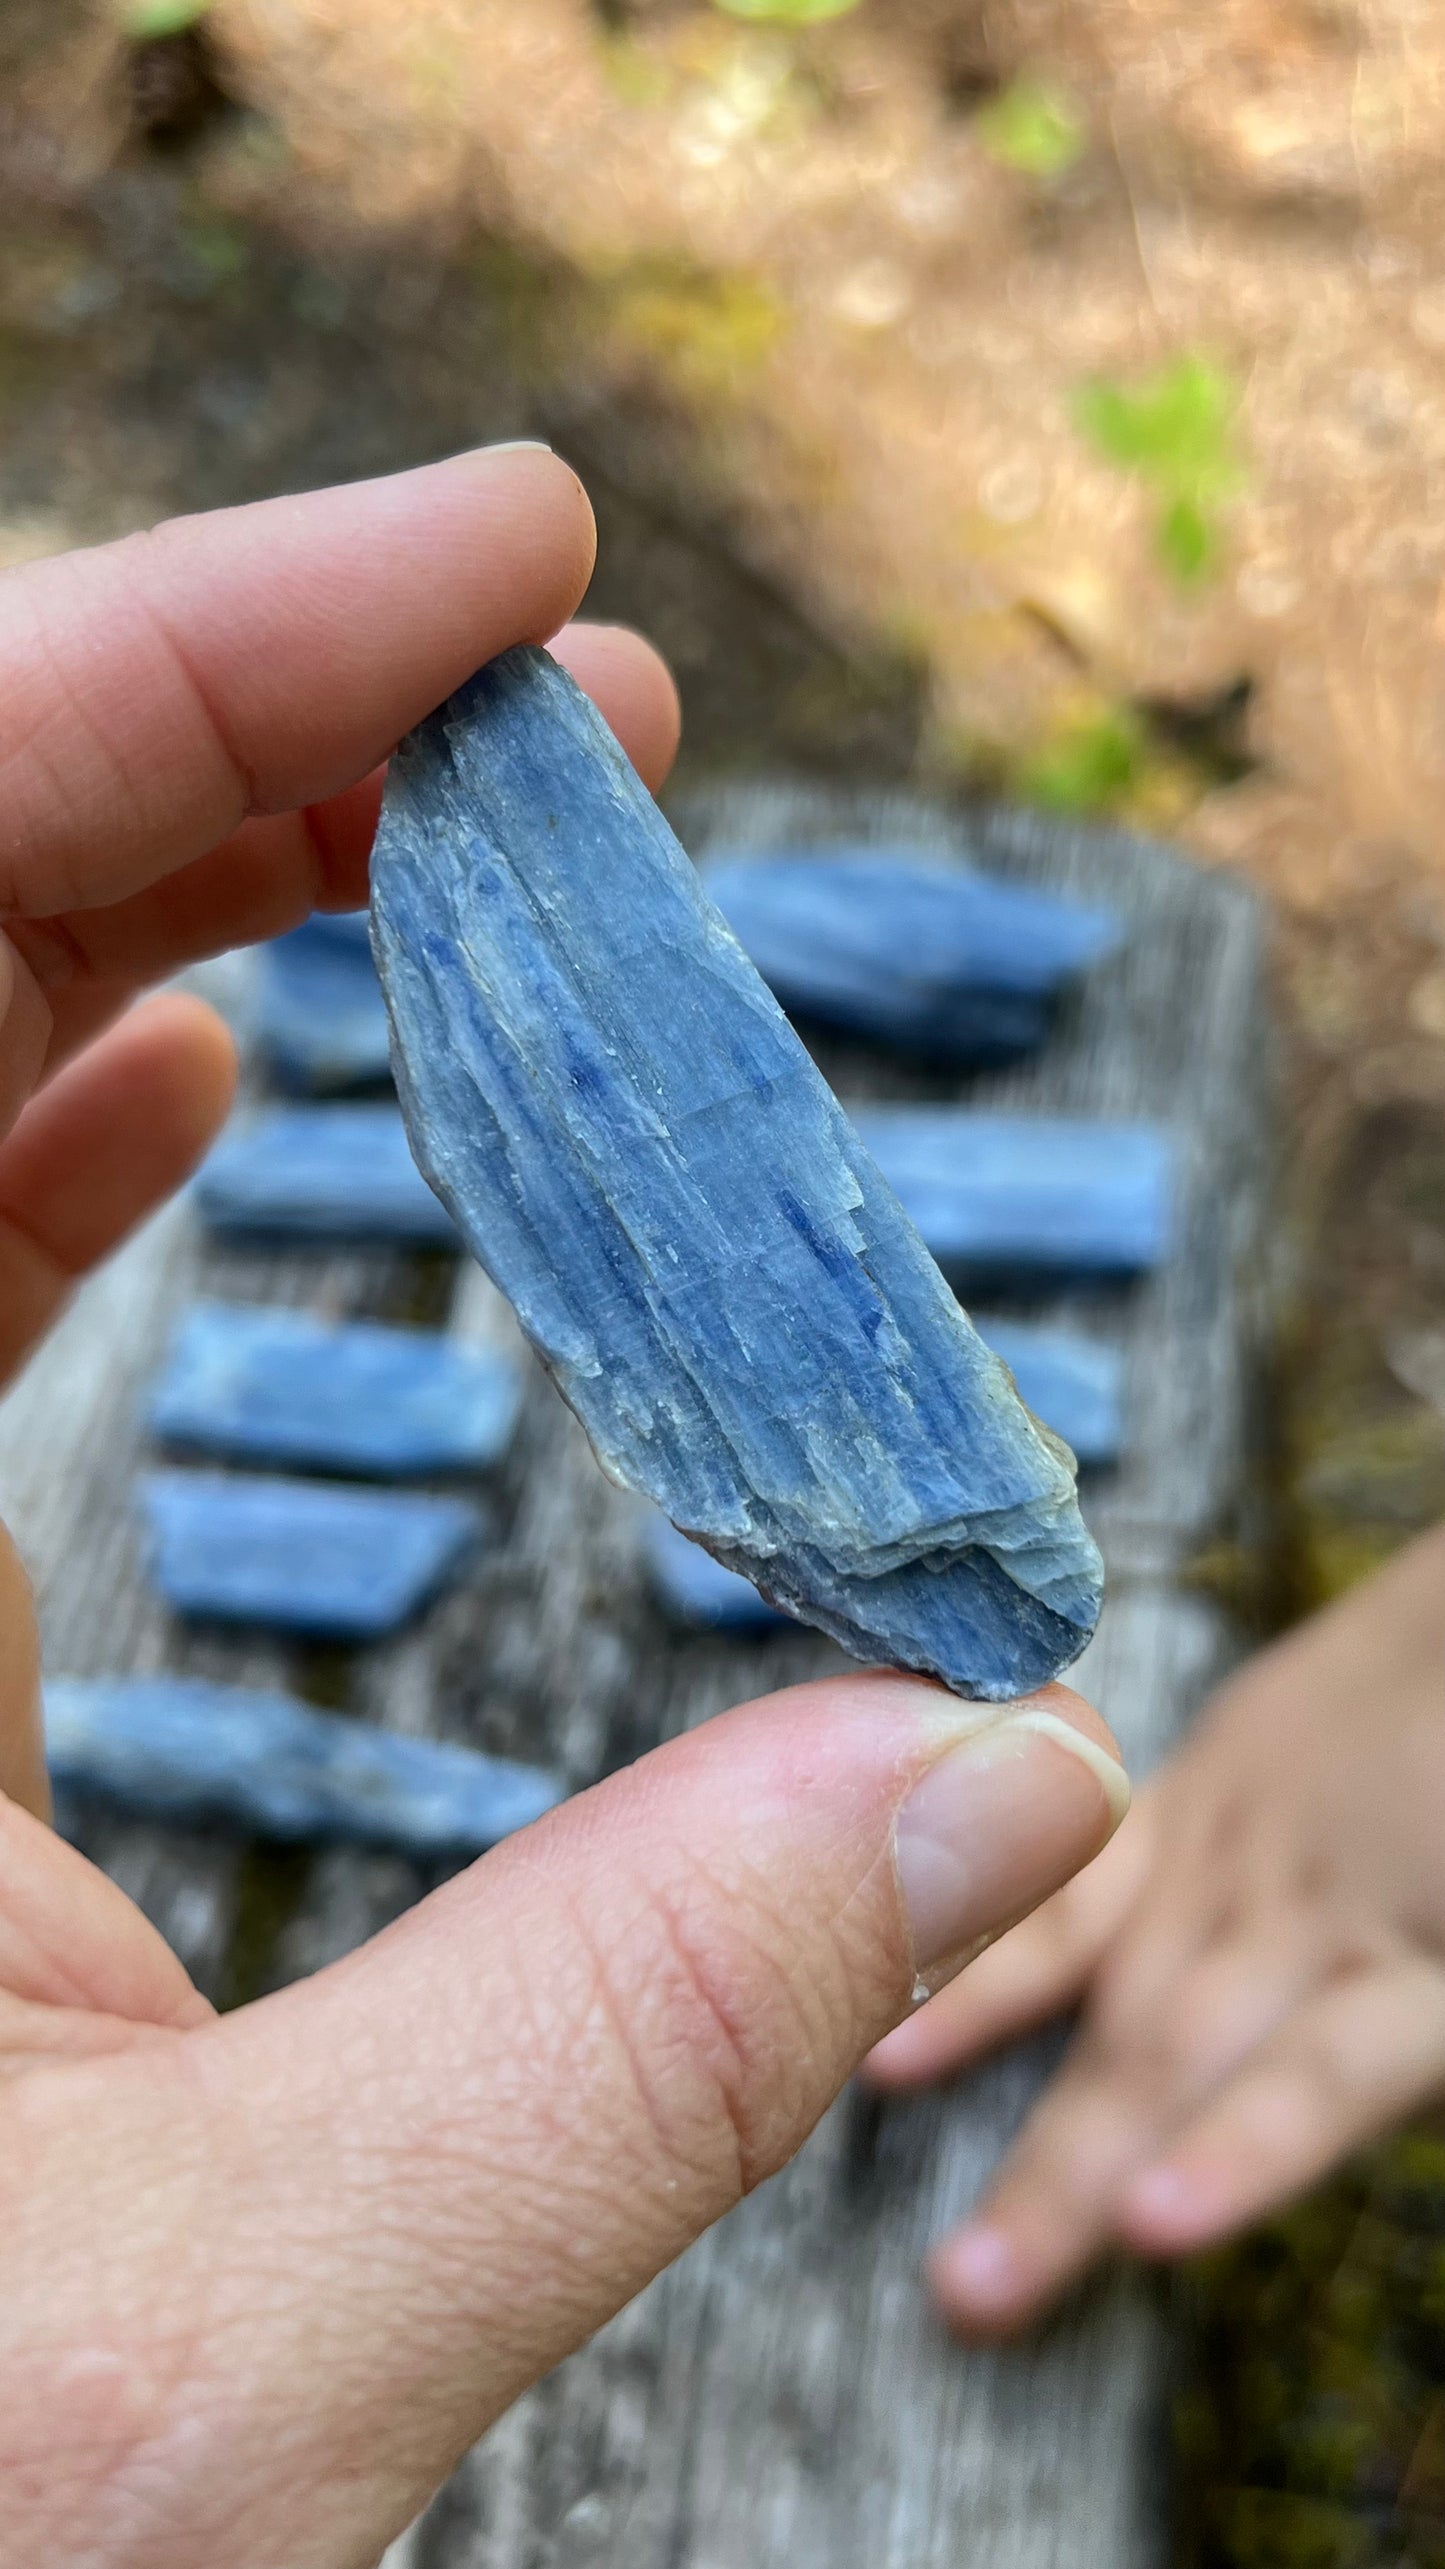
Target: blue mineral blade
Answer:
pixel 1026 1197
pixel 319 1016
pixel 1074 1384
pixel 262 1386
pixel 304 1556
pixel 322 1173
pixel 698 1589
pixel 639 1150
pixel 178 1749
pixel 904 948
pixel 1071 1383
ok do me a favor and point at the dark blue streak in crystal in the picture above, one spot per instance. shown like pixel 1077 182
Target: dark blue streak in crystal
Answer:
pixel 322 1173
pixel 641 1153
pixel 1015 1197
pixel 260 1386
pixel 905 949
pixel 304 1556
pixel 319 1015
pixel 177 1749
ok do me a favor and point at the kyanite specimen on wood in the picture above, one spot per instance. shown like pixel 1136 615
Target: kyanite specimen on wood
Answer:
pixel 179 1749
pixel 1020 1197
pixel 319 1016
pixel 264 1386
pixel 305 1556
pixel 900 946
pixel 697 1588
pixel 1074 1384
pixel 639 1150
pixel 322 1173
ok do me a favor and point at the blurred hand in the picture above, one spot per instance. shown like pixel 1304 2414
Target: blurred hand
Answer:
pixel 263 2280
pixel 1260 1957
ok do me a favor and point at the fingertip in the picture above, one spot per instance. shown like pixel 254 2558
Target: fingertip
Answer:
pixel 535 488
pixel 979 2281
pixel 198 1054
pixel 632 687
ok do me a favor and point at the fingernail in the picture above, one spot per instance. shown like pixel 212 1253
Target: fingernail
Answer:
pixel 1000 1820
pixel 1162 2197
pixel 978 2269
pixel 520 446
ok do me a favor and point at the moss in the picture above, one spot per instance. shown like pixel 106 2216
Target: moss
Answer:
pixel 710 332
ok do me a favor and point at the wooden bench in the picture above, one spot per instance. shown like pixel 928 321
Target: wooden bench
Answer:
pixel 782 2399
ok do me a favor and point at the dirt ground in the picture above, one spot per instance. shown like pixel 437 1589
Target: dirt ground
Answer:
pixel 1040 397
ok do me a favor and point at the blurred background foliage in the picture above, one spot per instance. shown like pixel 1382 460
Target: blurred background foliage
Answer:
pixel 1037 397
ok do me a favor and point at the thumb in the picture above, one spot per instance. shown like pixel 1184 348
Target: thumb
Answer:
pixel 380 2204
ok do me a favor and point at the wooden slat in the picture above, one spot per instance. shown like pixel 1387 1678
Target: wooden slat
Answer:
pixel 783 2395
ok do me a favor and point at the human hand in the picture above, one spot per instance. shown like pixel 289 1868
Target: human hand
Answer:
pixel 1261 1960
pixel 263 2279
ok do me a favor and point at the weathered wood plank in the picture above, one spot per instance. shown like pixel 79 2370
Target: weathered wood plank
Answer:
pixel 782 2395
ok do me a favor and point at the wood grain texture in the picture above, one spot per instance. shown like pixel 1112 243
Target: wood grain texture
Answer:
pixel 782 2396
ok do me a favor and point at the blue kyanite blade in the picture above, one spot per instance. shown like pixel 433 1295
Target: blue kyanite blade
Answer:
pixel 698 1589
pixel 319 1015
pixel 902 947
pixel 177 1749
pixel 322 1173
pixel 1074 1384
pixel 264 1386
pixel 302 1555
pixel 1013 1196
pixel 640 1151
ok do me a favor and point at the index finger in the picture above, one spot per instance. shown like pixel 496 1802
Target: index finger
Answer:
pixel 156 692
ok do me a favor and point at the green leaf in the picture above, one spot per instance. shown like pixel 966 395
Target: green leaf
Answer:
pixel 1088 767
pixel 1032 128
pixel 1174 426
pixel 147 20
pixel 1187 542
pixel 786 13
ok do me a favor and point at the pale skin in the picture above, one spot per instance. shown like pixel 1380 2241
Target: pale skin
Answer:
pixel 1259 1958
pixel 264 2278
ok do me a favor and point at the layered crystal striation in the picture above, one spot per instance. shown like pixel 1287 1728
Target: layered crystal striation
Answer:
pixel 639 1150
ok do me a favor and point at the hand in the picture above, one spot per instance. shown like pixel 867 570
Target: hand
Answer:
pixel 1260 1956
pixel 262 2280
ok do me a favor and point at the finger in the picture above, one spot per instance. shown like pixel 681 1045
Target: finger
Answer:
pixel 23 1780
pixel 370 2210
pixel 1129 2085
pixel 1031 1974
pixel 273 871
pixel 633 687
pixel 107 1140
pixel 157 691
pixel 1356 2061
pixel 73 1947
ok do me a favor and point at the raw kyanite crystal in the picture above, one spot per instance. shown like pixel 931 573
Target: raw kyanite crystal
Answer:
pixel 178 1749
pixel 264 1386
pixel 303 1555
pixel 901 946
pixel 641 1153
pixel 1071 1382
pixel 1024 1196
pixel 319 1015
pixel 322 1173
